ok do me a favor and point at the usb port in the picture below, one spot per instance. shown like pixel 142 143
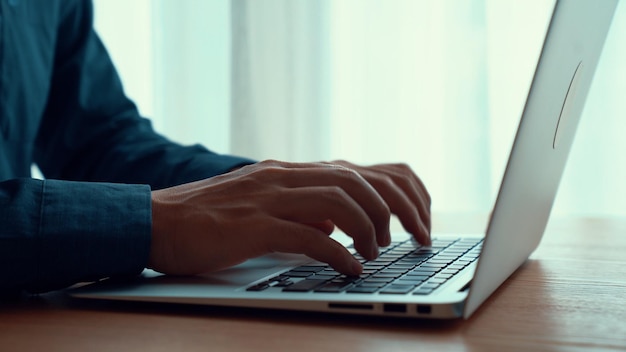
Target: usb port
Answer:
pixel 424 309
pixel 394 308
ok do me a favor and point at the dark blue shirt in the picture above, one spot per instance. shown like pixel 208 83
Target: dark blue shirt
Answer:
pixel 63 108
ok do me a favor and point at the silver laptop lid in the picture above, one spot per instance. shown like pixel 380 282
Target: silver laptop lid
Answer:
pixel 564 73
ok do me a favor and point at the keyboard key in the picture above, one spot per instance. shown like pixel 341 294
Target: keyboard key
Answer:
pixel 455 266
pixel 373 284
pixel 384 274
pixel 448 271
pixel 362 289
pixel 423 271
pixel 396 272
pixel 430 250
pixel 423 291
pixel 298 273
pixel 384 280
pixel 463 261
pixel 429 285
pixel 415 277
pixel 397 289
pixel 407 281
pixel 419 255
pixel 401 266
pixel 284 283
pixel 434 266
pixel 384 261
pixel 369 271
pixel 455 251
pixel 309 268
pixel 323 277
pixel 438 261
pixel 258 287
pixel 334 287
pixel 304 285
pixel 444 256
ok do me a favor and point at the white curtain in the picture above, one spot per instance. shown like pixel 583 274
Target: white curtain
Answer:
pixel 436 84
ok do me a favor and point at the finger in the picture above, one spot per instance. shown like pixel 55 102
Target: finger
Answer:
pixel 401 205
pixel 353 184
pixel 307 205
pixel 326 226
pixel 302 239
pixel 419 197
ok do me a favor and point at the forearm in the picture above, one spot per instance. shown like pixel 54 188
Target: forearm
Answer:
pixel 56 233
pixel 139 155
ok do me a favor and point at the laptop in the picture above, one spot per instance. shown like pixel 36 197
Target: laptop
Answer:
pixel 454 276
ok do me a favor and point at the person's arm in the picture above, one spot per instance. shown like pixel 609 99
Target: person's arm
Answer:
pixel 92 132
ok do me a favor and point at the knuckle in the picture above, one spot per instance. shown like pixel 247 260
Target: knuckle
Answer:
pixel 382 180
pixel 272 172
pixel 335 194
pixel 269 172
pixel 405 180
pixel 268 162
pixel 271 163
pixel 403 166
pixel 348 173
pixel 248 183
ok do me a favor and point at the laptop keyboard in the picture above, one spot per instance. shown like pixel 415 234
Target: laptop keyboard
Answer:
pixel 401 268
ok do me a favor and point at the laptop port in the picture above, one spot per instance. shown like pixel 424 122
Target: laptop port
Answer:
pixel 424 309
pixel 394 308
pixel 350 306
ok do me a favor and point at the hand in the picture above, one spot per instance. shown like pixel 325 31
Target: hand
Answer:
pixel 284 207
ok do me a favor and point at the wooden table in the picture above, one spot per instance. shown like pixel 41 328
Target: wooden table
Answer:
pixel 571 295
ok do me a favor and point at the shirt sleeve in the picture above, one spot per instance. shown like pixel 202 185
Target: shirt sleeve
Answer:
pixel 92 132
pixel 58 233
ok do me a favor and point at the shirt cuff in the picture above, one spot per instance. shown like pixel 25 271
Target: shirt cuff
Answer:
pixel 90 231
